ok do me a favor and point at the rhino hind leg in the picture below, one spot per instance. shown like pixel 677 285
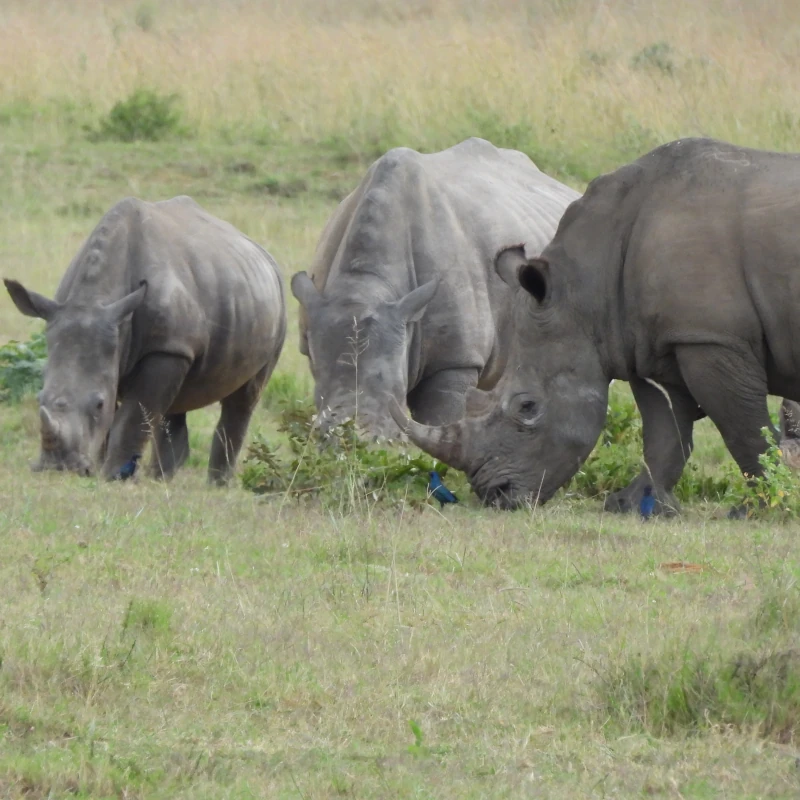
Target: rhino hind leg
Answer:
pixel 170 446
pixel 441 397
pixel 146 396
pixel 667 434
pixel 237 409
pixel 732 387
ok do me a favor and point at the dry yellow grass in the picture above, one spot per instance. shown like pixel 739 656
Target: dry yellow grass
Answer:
pixel 426 72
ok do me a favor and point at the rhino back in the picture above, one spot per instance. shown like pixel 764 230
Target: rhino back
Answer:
pixel 214 296
pixel 415 217
pixel 696 242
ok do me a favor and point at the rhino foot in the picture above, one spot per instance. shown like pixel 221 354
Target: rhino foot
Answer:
pixel 627 500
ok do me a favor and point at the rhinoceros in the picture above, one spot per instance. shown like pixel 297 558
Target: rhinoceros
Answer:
pixel 402 299
pixel 679 273
pixel 165 309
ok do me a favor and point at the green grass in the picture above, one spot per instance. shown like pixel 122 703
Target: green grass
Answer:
pixel 178 642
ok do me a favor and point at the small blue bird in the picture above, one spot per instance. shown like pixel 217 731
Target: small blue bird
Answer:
pixel 439 491
pixel 647 503
pixel 128 468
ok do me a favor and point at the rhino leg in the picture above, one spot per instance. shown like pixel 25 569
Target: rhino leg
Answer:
pixel 146 396
pixel 237 408
pixel 170 446
pixel 731 386
pixel 667 435
pixel 441 397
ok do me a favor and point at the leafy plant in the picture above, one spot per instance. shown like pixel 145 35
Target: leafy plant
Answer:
pixel 145 115
pixel 773 494
pixel 419 748
pixel 22 367
pixel 616 459
pixel 337 466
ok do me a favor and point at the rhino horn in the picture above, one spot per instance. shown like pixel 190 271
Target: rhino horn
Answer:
pixel 50 427
pixel 443 442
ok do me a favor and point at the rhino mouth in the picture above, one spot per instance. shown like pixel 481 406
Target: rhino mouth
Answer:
pixel 79 466
pixel 506 497
pixel 500 495
pixel 495 492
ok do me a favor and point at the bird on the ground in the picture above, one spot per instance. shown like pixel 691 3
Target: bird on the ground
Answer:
pixel 128 468
pixel 439 491
pixel 647 503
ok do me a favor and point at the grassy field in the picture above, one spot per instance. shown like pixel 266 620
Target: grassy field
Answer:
pixel 177 642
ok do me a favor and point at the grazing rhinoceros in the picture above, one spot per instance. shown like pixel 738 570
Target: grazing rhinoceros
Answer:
pixel 165 309
pixel 679 273
pixel 402 299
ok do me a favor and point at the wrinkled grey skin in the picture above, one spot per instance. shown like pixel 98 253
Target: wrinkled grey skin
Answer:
pixel 679 269
pixel 165 309
pixel 402 299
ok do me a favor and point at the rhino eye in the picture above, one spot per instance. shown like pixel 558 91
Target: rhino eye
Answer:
pixel 527 411
pixel 96 402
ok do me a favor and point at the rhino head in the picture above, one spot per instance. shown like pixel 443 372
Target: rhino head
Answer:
pixel 358 351
pixel 527 437
pixel 78 399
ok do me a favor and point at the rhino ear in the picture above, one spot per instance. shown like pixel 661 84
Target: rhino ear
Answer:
pixel 534 278
pixel 118 310
pixel 507 263
pixel 30 303
pixel 304 290
pixel 413 305
pixel 532 274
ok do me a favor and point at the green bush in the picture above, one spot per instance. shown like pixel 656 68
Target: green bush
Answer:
pixel 145 115
pixel 338 467
pixel 773 495
pixel 617 458
pixel 22 368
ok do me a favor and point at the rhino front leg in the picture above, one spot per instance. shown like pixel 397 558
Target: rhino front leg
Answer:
pixel 667 434
pixel 170 446
pixel 441 397
pixel 237 409
pixel 146 396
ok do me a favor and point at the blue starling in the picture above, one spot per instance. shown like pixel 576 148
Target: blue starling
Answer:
pixel 128 468
pixel 439 491
pixel 647 503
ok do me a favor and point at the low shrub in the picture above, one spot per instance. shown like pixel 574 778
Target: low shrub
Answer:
pixel 145 115
pixel 338 467
pixel 772 495
pixel 22 368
